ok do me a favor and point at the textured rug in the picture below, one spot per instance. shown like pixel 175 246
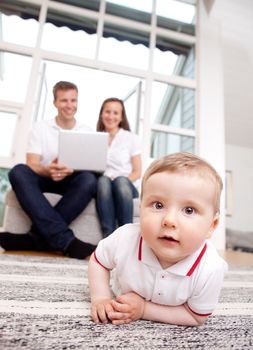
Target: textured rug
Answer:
pixel 44 304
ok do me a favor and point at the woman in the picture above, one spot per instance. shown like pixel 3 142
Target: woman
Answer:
pixel 117 186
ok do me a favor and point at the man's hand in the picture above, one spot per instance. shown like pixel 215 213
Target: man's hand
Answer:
pixel 100 310
pixel 127 308
pixel 58 171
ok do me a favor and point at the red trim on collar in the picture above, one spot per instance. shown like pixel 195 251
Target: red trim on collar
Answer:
pixel 190 272
pixel 94 254
pixel 140 250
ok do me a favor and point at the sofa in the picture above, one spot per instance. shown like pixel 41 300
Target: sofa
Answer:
pixel 239 240
pixel 86 226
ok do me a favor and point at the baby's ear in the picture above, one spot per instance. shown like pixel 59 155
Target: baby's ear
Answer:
pixel 214 225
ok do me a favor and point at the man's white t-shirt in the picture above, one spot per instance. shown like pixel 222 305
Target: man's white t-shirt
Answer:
pixel 44 139
pixel 195 280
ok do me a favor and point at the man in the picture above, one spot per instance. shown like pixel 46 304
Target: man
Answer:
pixel 42 173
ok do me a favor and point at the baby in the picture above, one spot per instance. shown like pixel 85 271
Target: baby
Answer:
pixel 164 268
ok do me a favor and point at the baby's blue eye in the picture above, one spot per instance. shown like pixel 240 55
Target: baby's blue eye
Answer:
pixel 189 210
pixel 157 205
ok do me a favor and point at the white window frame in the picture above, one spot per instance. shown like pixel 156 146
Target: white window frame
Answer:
pixel 15 108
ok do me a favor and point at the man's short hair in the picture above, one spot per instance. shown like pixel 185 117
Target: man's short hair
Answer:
pixel 63 85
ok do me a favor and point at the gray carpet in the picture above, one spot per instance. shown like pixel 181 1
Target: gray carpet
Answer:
pixel 44 304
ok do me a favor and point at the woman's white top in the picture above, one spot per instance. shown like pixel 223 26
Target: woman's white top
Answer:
pixel 124 146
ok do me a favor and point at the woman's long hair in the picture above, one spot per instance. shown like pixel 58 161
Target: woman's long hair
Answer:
pixel 124 124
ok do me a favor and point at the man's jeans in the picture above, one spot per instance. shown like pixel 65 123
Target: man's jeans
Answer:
pixel 115 202
pixel 50 224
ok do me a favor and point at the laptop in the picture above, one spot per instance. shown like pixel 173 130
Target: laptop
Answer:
pixel 83 150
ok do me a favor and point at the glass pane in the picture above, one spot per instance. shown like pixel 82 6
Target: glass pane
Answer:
pixel 173 106
pixel 163 143
pixel 4 186
pixel 87 4
pixel 177 11
pixel 131 9
pixel 173 58
pixel 121 51
pixel 20 31
pixel 94 87
pixel 14 79
pixel 133 107
pixel 8 123
pixel 70 34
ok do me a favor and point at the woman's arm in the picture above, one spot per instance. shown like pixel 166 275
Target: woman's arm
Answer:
pixel 136 168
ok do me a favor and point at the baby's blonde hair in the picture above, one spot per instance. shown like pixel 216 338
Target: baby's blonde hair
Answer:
pixel 185 162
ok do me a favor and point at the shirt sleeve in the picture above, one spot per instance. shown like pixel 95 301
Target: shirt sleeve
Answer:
pixel 206 296
pixel 34 144
pixel 106 250
pixel 135 145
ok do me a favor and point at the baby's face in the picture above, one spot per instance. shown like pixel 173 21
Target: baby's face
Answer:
pixel 177 214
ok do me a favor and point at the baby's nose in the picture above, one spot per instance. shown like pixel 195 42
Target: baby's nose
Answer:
pixel 169 219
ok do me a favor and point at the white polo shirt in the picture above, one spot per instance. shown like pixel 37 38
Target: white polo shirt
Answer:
pixel 124 146
pixel 43 139
pixel 196 280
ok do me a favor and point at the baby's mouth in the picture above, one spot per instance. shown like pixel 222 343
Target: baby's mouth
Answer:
pixel 169 239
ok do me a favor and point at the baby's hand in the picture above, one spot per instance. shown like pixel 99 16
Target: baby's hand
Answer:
pixel 100 310
pixel 127 308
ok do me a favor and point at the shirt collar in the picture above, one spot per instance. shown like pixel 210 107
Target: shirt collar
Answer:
pixel 77 125
pixel 54 124
pixel 185 267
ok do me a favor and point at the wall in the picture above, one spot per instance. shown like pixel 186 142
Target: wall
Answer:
pixel 210 102
pixel 239 160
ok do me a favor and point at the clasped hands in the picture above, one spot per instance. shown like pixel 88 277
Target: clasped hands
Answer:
pixel 124 309
pixel 58 171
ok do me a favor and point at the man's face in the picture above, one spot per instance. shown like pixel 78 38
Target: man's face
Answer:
pixel 66 104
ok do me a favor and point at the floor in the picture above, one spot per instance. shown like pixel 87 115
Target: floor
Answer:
pixel 47 306
pixel 238 259
pixel 233 258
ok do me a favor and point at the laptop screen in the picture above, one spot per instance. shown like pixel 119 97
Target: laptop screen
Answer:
pixel 83 150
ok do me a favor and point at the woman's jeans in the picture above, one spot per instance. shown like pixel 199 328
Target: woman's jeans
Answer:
pixel 50 225
pixel 115 202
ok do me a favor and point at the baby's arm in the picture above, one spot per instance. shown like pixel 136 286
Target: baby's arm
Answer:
pixel 179 315
pixel 100 292
pixel 130 307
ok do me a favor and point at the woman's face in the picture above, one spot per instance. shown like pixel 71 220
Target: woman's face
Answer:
pixel 112 115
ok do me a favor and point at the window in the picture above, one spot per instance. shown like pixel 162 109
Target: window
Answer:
pixel 94 87
pixel 165 143
pixel 123 51
pixel 8 122
pixel 107 51
pixel 77 37
pixel 4 186
pixel 15 71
